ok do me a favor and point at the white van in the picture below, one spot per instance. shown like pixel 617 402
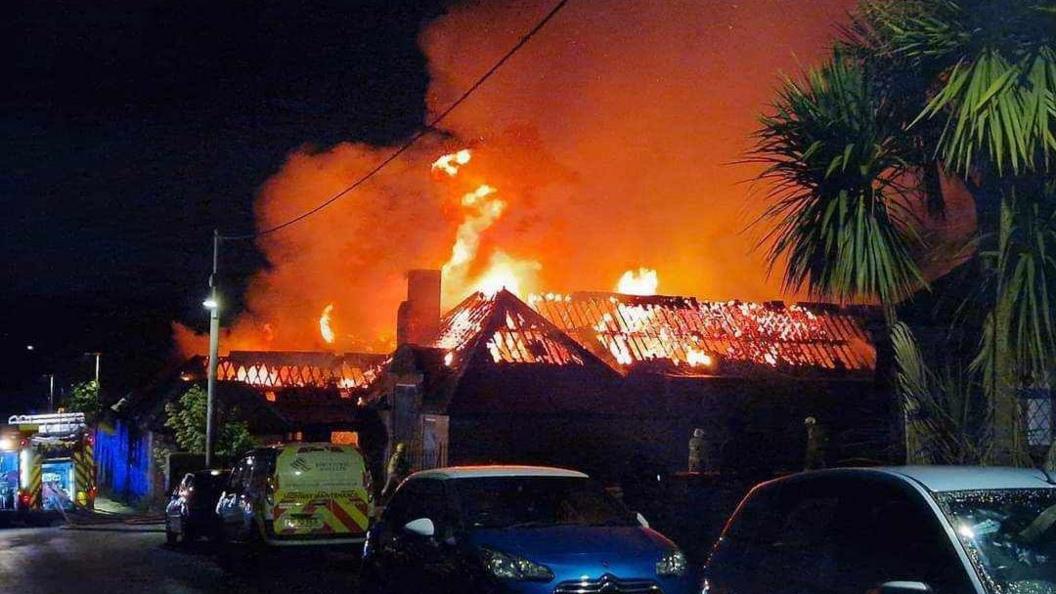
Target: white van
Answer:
pixel 298 494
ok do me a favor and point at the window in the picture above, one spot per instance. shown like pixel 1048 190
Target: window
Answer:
pixel 494 502
pixel 1037 404
pixel 344 437
pixel 845 535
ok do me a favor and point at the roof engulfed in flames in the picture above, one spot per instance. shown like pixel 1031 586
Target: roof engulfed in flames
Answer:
pixel 267 369
pixel 512 332
pixel 688 334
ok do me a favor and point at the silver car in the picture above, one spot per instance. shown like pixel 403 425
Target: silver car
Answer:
pixel 949 530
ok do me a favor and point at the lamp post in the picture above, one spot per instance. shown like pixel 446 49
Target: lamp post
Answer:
pixel 97 356
pixel 51 392
pixel 213 305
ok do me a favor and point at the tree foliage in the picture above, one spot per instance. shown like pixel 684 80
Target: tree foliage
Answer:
pixel 84 398
pixel 186 417
pixel 915 88
pixel 832 151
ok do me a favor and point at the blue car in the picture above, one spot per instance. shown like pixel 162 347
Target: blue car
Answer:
pixel 517 529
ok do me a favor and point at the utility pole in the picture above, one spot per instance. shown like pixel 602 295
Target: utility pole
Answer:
pixel 96 355
pixel 51 392
pixel 213 304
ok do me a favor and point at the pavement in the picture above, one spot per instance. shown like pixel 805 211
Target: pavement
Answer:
pixel 118 550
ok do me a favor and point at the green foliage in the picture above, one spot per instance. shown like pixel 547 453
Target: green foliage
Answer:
pixel 186 417
pixel 917 87
pixel 995 74
pixel 938 407
pixel 834 156
pixel 1025 279
pixel 84 398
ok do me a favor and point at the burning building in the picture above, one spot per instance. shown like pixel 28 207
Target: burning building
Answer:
pixel 609 382
pixel 616 383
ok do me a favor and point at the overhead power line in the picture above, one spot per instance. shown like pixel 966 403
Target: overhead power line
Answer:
pixel 415 137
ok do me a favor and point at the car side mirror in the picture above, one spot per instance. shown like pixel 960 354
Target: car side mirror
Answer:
pixel 641 520
pixel 421 527
pixel 901 588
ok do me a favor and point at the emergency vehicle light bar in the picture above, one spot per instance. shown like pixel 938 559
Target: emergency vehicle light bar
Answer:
pixel 51 424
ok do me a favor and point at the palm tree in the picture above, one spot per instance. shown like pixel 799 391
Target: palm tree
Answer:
pixel 917 89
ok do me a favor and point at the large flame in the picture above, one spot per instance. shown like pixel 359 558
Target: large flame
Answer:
pixel 643 281
pixel 481 208
pixel 325 329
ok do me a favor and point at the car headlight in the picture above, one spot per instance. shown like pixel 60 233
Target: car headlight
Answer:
pixel 672 564
pixel 511 567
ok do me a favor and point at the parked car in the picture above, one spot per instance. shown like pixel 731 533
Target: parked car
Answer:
pixel 524 529
pixel 191 511
pixel 949 530
pixel 297 494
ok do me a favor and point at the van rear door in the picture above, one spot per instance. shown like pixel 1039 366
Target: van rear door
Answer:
pixel 320 491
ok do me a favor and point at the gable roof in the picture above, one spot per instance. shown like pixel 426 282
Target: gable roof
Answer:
pixel 505 331
pixel 501 355
pixel 687 336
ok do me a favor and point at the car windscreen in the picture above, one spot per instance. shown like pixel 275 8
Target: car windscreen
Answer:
pixel 1010 536
pixel 537 501
pixel 211 481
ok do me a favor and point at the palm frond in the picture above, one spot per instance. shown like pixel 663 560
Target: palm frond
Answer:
pixel 995 70
pixel 1025 271
pixel 834 158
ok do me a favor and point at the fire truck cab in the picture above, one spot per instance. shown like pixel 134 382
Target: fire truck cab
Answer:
pixel 47 462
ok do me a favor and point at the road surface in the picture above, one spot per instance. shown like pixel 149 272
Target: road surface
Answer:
pixel 116 558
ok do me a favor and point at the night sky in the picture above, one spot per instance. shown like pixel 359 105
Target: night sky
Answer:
pixel 133 128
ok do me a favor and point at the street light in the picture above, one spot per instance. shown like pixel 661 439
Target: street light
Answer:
pixel 213 305
pixel 97 356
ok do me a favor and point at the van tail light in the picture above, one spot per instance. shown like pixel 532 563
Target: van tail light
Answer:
pixel 269 491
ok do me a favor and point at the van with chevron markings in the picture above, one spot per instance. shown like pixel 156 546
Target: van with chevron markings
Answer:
pixel 298 494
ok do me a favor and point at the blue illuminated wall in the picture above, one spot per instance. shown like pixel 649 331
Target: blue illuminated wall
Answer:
pixel 122 456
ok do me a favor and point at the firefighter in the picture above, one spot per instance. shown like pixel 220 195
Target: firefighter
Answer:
pixel 397 470
pixel 696 451
pixel 815 457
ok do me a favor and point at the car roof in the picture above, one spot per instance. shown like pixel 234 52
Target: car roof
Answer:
pixel 940 479
pixel 966 478
pixel 462 472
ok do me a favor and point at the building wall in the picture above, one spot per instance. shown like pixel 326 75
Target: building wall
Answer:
pixel 754 427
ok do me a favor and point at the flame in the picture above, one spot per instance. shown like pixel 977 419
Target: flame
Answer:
pixel 449 358
pixel 324 324
pixel 697 357
pixel 506 272
pixel 452 162
pixel 644 281
pixel 481 208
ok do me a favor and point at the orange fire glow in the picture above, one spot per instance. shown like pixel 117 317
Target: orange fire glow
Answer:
pixel 569 174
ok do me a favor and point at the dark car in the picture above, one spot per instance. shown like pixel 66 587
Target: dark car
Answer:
pixel 516 529
pixel 948 530
pixel 191 511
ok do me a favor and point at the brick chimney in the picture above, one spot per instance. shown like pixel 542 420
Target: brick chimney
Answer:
pixel 418 319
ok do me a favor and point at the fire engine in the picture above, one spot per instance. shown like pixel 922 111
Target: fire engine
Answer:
pixel 47 462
